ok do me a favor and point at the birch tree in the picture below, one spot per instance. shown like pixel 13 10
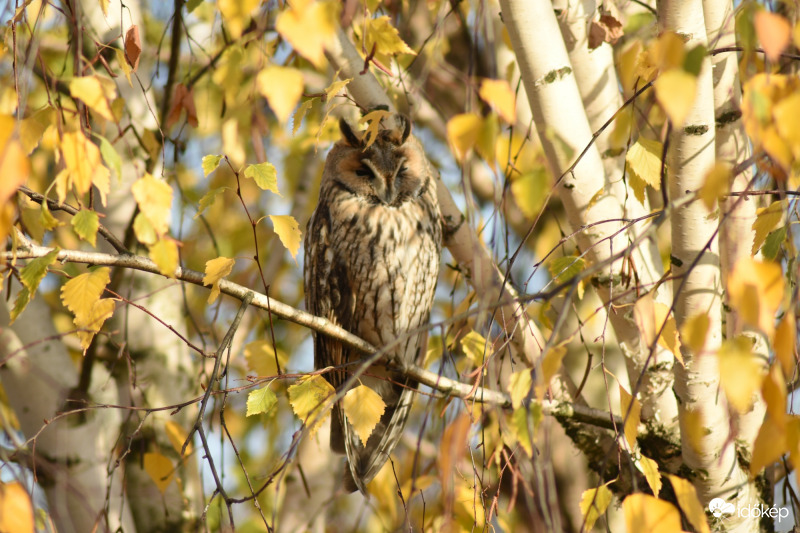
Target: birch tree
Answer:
pixel 613 342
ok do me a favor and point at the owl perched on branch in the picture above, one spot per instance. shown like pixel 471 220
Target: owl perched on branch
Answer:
pixel 371 263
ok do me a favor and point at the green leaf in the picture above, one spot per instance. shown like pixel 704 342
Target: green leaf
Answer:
pixel 35 270
pixel 693 61
pixel 210 162
pixel 86 222
pixel 191 5
pixel 110 156
pixel 565 268
pixel 20 303
pixel 48 221
pixel 265 176
pixel 262 400
pixel 772 244
pixel 208 199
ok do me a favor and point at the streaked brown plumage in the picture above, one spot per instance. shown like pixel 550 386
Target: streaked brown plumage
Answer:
pixel 371 262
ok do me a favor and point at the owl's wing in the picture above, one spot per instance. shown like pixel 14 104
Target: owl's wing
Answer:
pixel 329 296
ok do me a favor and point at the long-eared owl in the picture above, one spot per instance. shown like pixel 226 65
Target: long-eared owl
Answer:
pixel 371 263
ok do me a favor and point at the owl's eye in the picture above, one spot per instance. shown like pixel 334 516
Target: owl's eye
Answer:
pixel 364 172
pixel 402 171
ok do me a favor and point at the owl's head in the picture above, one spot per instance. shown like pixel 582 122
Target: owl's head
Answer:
pixel 392 170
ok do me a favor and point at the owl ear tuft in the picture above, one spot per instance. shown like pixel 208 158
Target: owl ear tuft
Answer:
pixel 349 135
pixel 406 124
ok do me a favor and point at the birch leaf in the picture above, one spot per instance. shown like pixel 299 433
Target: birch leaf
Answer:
pixel 530 191
pixel 462 133
pixel 363 408
pixel 550 365
pixel 676 91
pixel 766 220
pixel 177 436
pixel 649 468
pixel 282 87
pixel 111 157
pixel 453 448
pixel 498 94
pixel 123 64
pixel 669 334
pixel 386 38
pixel 216 269
pixel 48 221
pixel 32 128
pixel 34 272
pixel 260 358
pixel 645 318
pixel 82 162
pixel 774 33
pixel 265 176
pixel 236 14
pixel 81 292
pixel 647 513
pixel 373 119
pixel 474 346
pixel 164 254
pixel 94 93
pixel 769 446
pixel 288 231
pixel 133 47
pixel 16 509
pixel 755 291
pixel 784 343
pixel 594 503
pixel 310 398
pixel 740 372
pixel 308 26
pixel 260 401
pixel 208 200
pixel 519 386
pixel 687 498
pixel 644 164
pixel 210 163
pixel 160 470
pixel 773 389
pixel 154 198
pixel 86 223
pixel 716 184
pixel 523 420
pixel 630 409
pixel 144 230
pixel 695 331
pixel 336 87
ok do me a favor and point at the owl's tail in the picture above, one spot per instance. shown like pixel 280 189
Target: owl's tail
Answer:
pixel 364 462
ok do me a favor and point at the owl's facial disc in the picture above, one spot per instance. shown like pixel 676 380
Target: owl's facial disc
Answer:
pixel 384 183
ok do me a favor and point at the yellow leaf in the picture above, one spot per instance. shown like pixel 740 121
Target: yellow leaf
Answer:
pixel 687 498
pixel 16 510
pixel 90 324
pixel 260 358
pixel 81 292
pixel 216 269
pixel 594 503
pixel 523 423
pixel 740 372
pixel 630 410
pixel 519 386
pixel 551 362
pixel 154 198
pixel 649 468
pixel 647 513
pixel 164 254
pixel 160 470
pixel 236 14
pixel 774 33
pixel 14 165
pixel 232 143
pixel 676 91
pixel 288 231
pixel 717 183
pixel 785 113
pixel 767 218
pixel 311 400
pixel 668 51
pixel 784 343
pixel 530 191
pixel 373 119
pixel 126 68
pixel 755 291
pixel 434 351
pixel 32 128
pixel 669 333
pixel 265 175
pixel 644 164
pixel 385 38
pixel 498 94
pixel 210 163
pixel 282 87
pixel 96 93
pixel 769 446
pixel 773 389
pixel 474 346
pixel 363 408
pixel 462 133
pixel 336 87
pixel 260 401
pixel 695 331
pixel 645 318
pixel 86 223
pixel 144 231
pixel 84 169
pixel 694 430
pixel 453 448
pixel 177 436
pixel 309 26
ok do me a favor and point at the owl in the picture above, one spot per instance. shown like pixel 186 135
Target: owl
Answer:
pixel 372 252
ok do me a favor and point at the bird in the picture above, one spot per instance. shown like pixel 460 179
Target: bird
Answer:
pixel 372 252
